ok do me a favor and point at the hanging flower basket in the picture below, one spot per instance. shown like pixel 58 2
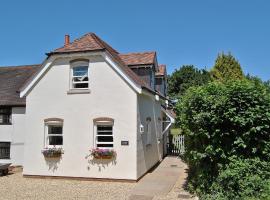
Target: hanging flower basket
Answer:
pixel 52 152
pixel 98 153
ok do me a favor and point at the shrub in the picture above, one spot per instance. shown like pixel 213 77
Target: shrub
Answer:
pixel 242 179
pixel 220 121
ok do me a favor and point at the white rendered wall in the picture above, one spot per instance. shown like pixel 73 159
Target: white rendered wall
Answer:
pixel 110 96
pixel 148 155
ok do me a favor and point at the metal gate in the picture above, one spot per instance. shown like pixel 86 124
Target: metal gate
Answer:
pixel 176 145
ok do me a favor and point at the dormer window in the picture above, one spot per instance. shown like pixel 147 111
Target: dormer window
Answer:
pixel 80 74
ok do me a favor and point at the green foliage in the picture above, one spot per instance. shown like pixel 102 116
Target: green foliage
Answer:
pixel 257 80
pixel 226 68
pixel 222 121
pixel 242 179
pixel 184 78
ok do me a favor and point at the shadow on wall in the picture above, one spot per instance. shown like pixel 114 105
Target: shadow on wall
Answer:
pixel 100 163
pixel 53 163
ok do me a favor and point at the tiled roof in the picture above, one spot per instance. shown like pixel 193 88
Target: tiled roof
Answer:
pixel 91 42
pixel 161 70
pixel 141 58
pixel 88 42
pixel 11 79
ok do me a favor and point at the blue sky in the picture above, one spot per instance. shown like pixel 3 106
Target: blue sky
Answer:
pixel 181 31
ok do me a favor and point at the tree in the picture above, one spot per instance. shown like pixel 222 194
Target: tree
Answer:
pixel 222 121
pixel 226 68
pixel 185 77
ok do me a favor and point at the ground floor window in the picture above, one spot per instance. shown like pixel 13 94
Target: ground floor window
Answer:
pixel 4 150
pixel 53 132
pixel 55 135
pixel 104 136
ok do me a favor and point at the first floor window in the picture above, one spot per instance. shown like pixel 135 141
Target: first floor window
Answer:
pixel 80 79
pixel 4 150
pixel 5 115
pixel 104 136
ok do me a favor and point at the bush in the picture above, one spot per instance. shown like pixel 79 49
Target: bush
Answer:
pixel 242 179
pixel 222 121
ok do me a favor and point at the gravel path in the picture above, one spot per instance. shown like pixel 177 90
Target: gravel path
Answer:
pixel 14 186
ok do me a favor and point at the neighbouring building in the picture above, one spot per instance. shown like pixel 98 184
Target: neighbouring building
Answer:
pixel 86 95
pixel 12 113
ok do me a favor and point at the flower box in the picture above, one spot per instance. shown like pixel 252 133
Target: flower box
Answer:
pixel 52 152
pixel 98 153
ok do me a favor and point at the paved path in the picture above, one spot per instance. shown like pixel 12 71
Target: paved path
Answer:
pixel 161 181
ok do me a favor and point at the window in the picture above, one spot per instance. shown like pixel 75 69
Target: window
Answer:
pixel 104 136
pixel 80 74
pixel 53 132
pixel 4 150
pixel 5 115
pixel 55 137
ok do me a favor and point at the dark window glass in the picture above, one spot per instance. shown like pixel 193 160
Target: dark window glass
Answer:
pixel 104 128
pixel 105 138
pixel 55 136
pixel 4 150
pixel 55 140
pixel 55 129
pixel 104 135
pixel 104 145
pixel 5 115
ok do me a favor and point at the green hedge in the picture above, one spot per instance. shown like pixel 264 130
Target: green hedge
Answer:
pixel 221 121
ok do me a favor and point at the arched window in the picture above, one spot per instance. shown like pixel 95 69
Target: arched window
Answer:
pixel 79 74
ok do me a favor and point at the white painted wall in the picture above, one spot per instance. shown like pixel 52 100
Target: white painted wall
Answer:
pixel 14 133
pixel 148 155
pixel 110 97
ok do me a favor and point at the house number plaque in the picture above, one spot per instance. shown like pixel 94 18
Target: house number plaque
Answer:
pixel 124 143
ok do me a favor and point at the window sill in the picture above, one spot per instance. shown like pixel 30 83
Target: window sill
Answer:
pixel 78 91
pixel 5 124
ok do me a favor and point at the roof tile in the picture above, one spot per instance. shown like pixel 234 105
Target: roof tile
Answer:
pixel 11 79
pixel 140 58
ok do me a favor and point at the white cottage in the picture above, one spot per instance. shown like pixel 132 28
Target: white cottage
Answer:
pixel 86 95
pixel 12 113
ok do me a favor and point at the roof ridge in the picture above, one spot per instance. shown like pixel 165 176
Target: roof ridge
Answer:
pixel 19 66
pixel 143 52
pixel 77 40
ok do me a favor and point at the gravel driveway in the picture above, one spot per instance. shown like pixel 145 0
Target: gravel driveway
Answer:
pixel 14 186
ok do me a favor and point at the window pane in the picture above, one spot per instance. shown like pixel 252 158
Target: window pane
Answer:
pixel 104 145
pixel 105 138
pixel 80 71
pixel 104 133
pixel 104 128
pixel 5 110
pixel 4 150
pixel 55 130
pixel 80 85
pixel 4 119
pixel 55 140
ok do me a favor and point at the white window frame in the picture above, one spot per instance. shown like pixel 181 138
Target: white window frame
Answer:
pixel 79 64
pixel 47 135
pixel 104 123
